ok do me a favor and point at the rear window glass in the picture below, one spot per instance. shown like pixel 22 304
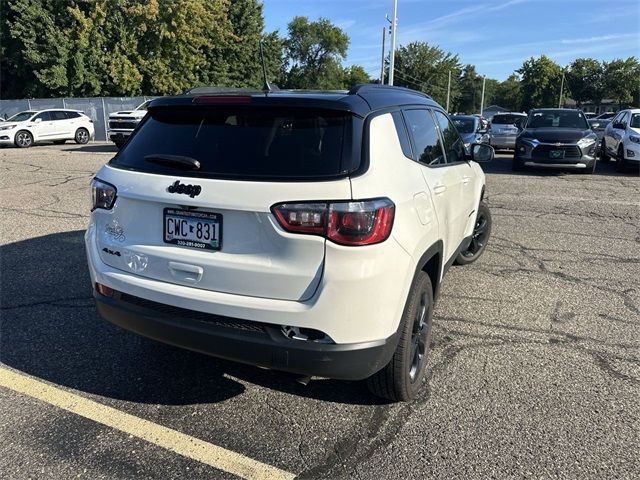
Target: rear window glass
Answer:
pixel 250 143
pixel 508 119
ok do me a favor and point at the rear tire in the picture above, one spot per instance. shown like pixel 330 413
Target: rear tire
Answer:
pixel 603 152
pixel 517 165
pixel 23 139
pixel 82 136
pixel 402 378
pixel 620 163
pixel 480 237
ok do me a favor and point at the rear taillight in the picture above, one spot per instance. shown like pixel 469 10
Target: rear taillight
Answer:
pixel 363 222
pixel 103 194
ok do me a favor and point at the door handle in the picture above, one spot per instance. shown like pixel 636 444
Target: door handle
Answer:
pixel 466 179
pixel 439 189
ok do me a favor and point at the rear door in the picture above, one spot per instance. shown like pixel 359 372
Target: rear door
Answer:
pixel 443 180
pixel 212 227
pixel 61 127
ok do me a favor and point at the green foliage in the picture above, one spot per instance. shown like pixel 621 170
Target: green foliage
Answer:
pixel 314 51
pixel 585 79
pixel 622 79
pixel 354 75
pixel 423 67
pixel 470 87
pixel 508 94
pixel 540 83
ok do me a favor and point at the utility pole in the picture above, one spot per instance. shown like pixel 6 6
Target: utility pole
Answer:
pixel 448 91
pixel 484 80
pixel 384 34
pixel 394 24
pixel 561 89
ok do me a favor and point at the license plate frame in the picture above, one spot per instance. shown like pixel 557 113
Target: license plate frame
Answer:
pixel 209 218
pixel 556 154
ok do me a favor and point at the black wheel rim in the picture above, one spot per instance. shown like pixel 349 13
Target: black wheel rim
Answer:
pixel 419 337
pixel 479 237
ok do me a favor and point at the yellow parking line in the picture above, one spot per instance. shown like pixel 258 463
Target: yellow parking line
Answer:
pixel 164 437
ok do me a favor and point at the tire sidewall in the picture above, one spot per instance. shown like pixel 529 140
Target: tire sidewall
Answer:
pixel 76 136
pixel 421 284
pixel 16 139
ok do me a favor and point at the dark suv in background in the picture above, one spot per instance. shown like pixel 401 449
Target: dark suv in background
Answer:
pixel 556 138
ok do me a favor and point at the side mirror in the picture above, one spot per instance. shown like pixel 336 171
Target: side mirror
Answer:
pixel 38 120
pixel 482 153
pixel 620 126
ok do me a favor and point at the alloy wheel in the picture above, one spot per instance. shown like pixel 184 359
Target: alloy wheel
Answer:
pixel 419 337
pixel 479 237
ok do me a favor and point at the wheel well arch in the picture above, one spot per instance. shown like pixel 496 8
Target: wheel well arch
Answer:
pixel 431 263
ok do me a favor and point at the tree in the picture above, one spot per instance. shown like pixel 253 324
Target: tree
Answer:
pixel 314 51
pixel 354 75
pixel 509 94
pixel 470 85
pixel 426 68
pixel 622 79
pixel 585 79
pixel 236 62
pixel 540 85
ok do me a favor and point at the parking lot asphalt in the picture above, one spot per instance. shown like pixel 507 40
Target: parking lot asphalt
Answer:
pixel 535 369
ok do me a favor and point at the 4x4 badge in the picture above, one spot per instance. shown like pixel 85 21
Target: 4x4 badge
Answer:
pixel 191 190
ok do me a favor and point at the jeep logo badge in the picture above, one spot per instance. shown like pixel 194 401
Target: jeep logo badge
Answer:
pixel 191 190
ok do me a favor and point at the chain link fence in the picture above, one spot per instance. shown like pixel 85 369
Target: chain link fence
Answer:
pixel 97 108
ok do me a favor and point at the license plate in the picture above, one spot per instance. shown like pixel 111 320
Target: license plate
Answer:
pixel 556 154
pixel 201 230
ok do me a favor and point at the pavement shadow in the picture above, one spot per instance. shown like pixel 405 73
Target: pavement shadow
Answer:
pixel 50 329
pixel 95 148
pixel 502 166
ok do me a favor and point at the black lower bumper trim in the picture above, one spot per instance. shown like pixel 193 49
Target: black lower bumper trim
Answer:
pixel 263 346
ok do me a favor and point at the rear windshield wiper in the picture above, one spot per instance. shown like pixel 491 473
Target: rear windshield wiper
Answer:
pixel 174 161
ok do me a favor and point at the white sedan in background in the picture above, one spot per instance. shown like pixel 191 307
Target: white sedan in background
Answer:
pixel 621 139
pixel 54 125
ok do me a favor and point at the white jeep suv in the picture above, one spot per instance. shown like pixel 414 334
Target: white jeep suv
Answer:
pixel 303 232
pixel 56 125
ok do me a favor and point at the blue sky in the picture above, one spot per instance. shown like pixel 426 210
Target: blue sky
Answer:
pixel 495 35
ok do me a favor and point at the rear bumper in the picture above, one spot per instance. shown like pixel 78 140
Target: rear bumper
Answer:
pixel 502 141
pixel 252 343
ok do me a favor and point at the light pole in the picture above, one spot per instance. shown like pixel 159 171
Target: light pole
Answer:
pixel 484 80
pixel 448 91
pixel 394 24
pixel 561 89
pixel 384 34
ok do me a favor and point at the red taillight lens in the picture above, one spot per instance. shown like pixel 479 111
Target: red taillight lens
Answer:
pixel 347 223
pixel 302 217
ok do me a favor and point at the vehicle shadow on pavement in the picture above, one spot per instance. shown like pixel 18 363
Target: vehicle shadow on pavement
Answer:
pixel 50 329
pixel 97 148
pixel 502 166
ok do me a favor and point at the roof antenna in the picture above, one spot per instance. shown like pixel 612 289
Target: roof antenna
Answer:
pixel 266 86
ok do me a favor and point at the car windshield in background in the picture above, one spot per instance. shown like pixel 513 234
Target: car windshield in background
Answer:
pixel 21 117
pixel 557 119
pixel 464 125
pixel 635 120
pixel 507 119
pixel 243 142
pixel 143 106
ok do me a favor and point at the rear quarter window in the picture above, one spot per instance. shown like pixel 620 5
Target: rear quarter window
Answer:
pixel 243 142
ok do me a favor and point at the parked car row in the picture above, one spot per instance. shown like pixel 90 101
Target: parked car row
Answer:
pixel 24 129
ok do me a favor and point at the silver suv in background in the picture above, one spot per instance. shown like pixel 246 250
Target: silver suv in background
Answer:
pixel 122 123
pixel 504 129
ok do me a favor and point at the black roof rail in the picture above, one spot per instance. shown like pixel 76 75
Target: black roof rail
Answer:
pixel 364 87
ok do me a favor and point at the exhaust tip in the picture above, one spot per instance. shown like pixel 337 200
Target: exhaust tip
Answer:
pixel 306 334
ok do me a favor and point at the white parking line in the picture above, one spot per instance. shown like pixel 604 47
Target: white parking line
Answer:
pixel 164 437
